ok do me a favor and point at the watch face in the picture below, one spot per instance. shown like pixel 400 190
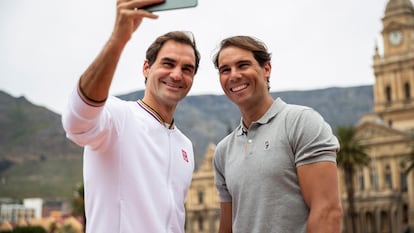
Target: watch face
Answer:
pixel 395 37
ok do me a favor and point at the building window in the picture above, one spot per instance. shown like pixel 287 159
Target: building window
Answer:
pixel 388 94
pixel 405 214
pixel 200 197
pixel 388 177
pixel 201 223
pixel 403 178
pixel 369 218
pixel 385 226
pixel 361 184
pixel 374 178
pixel 407 91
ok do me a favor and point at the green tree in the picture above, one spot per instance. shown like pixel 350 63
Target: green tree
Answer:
pixel 67 229
pixel 29 229
pixel 53 228
pixel 351 156
pixel 78 204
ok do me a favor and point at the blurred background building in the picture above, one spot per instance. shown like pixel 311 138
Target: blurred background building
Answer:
pixel 384 191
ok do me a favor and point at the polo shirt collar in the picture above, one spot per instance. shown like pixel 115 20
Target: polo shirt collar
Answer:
pixel 274 109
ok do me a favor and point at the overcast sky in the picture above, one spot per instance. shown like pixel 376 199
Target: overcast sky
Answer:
pixel 46 45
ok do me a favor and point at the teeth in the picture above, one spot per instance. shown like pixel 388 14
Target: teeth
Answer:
pixel 238 88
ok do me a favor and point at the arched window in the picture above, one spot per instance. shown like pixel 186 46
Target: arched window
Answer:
pixel 403 178
pixel 405 214
pixel 407 91
pixel 370 222
pixel 385 226
pixel 201 223
pixel 388 176
pixel 388 94
pixel 200 197
pixel 374 178
pixel 361 184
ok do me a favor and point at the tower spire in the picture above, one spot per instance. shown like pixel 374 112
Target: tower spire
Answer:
pixel 397 7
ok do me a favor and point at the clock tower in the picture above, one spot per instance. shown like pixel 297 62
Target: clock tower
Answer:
pixel 394 70
pixel 384 191
pixel 398 27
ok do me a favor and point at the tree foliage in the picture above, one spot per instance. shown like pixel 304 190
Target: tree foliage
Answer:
pixel 351 156
pixel 78 204
pixel 29 229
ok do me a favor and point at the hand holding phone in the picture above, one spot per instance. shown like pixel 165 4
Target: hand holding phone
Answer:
pixel 171 5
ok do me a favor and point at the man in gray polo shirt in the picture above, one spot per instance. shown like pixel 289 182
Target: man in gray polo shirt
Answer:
pixel 276 172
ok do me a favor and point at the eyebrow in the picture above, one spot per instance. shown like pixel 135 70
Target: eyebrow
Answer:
pixel 167 59
pixel 237 63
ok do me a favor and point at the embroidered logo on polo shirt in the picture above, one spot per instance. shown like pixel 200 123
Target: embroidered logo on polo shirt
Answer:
pixel 266 145
pixel 184 153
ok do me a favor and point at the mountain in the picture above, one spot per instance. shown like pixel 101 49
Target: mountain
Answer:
pixel 36 159
pixel 208 118
pixel 30 131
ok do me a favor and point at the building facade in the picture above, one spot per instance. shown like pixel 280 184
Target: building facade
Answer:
pixel 203 204
pixel 384 192
pixel 16 213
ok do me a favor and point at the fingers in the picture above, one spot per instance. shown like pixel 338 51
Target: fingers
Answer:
pixel 132 9
pixel 129 17
pixel 137 14
pixel 136 4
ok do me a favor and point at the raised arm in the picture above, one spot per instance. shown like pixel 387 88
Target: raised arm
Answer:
pixel 95 81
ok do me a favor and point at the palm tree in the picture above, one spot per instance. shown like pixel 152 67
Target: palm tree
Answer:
pixel 351 155
pixel 78 204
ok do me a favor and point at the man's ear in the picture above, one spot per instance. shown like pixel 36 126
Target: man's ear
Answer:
pixel 267 68
pixel 145 69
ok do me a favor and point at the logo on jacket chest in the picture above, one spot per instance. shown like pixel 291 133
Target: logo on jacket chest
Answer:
pixel 185 156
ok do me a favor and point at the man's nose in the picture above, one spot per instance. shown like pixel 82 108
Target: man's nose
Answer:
pixel 176 73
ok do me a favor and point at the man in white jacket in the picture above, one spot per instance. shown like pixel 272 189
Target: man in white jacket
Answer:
pixel 137 165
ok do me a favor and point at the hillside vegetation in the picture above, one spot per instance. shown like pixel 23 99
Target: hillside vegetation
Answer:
pixel 36 159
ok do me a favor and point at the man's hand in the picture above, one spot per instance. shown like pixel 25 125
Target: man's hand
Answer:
pixel 129 16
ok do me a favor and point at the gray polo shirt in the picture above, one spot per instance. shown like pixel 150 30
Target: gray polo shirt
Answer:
pixel 256 171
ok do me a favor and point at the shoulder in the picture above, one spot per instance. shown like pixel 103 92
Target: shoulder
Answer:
pixel 294 113
pixel 115 105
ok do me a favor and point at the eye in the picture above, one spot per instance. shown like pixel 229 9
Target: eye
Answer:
pixel 244 65
pixel 188 70
pixel 224 70
pixel 168 64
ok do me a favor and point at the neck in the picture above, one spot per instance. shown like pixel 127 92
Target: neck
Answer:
pixel 255 111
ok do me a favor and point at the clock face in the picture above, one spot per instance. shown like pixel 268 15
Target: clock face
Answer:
pixel 395 37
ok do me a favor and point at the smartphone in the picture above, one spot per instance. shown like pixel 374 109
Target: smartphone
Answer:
pixel 171 5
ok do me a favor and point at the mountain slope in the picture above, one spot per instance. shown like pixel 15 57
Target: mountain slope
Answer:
pixel 36 159
pixel 28 130
pixel 208 118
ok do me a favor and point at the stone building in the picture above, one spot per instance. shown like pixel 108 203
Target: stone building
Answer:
pixel 384 193
pixel 203 204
